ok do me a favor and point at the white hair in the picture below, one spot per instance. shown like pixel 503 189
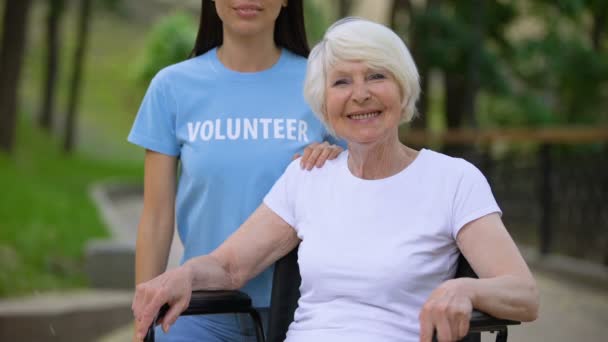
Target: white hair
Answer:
pixel 356 39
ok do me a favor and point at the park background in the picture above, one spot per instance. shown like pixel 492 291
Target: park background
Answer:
pixel 520 88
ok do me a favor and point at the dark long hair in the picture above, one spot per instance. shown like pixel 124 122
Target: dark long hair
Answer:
pixel 289 29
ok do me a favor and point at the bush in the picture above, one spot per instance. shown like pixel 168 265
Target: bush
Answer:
pixel 170 42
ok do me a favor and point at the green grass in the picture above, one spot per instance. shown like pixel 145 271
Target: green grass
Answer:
pixel 46 215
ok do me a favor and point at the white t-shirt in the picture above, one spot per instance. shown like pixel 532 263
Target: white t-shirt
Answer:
pixel 373 250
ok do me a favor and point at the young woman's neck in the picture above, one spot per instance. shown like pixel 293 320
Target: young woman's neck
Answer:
pixel 379 160
pixel 248 54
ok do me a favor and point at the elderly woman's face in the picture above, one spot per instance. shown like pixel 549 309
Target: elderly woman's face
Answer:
pixel 362 104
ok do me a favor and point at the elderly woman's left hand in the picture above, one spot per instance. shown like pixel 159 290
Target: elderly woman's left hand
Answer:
pixel 316 154
pixel 447 312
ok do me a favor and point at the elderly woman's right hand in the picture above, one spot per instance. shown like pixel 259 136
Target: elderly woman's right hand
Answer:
pixel 173 287
pixel 447 311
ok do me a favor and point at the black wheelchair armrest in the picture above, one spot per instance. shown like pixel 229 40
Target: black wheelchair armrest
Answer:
pixel 483 322
pixel 208 302
pixel 215 302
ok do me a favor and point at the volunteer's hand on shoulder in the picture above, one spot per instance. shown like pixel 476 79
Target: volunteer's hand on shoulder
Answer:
pixel 316 154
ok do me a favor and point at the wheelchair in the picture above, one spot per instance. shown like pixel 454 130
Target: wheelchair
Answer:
pixel 284 301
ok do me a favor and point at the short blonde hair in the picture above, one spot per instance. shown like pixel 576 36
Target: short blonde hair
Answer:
pixel 356 39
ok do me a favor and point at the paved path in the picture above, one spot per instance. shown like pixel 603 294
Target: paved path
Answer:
pixel 570 311
pixel 120 208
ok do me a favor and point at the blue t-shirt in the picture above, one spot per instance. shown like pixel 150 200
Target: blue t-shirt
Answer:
pixel 234 134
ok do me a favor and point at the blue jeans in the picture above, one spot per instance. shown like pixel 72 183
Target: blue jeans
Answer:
pixel 213 328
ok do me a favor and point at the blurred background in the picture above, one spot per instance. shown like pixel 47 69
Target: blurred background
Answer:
pixel 519 88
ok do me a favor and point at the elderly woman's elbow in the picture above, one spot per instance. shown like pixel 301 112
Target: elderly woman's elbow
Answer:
pixel 531 313
pixel 532 306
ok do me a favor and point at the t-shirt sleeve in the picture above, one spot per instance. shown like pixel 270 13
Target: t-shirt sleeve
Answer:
pixel 473 198
pixel 154 126
pixel 280 198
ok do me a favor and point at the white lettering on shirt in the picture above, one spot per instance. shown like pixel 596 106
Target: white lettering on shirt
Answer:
pixel 193 130
pixel 233 134
pixel 251 129
pixel 248 129
pixel 218 129
pixel 266 123
pixel 279 128
pixel 302 131
pixel 206 130
pixel 291 129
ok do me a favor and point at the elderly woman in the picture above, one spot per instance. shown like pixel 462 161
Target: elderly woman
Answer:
pixel 380 228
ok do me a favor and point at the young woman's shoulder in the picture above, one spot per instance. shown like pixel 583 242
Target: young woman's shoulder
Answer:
pixel 185 68
pixel 294 62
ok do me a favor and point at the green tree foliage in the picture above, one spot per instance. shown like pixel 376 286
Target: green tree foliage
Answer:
pixel 571 77
pixel 316 22
pixel 466 41
pixel 170 42
pixel 556 74
pixel 566 65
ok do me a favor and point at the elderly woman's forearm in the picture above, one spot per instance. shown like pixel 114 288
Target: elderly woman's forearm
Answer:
pixel 508 297
pixel 211 273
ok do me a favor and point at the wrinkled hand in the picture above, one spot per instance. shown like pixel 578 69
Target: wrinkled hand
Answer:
pixel 173 287
pixel 316 154
pixel 447 311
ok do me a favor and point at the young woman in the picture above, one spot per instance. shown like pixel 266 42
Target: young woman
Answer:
pixel 231 119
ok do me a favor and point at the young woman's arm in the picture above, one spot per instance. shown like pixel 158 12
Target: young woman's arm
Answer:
pixel 156 225
pixel 505 288
pixel 261 240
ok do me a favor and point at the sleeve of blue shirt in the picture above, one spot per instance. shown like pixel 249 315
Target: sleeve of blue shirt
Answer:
pixel 154 126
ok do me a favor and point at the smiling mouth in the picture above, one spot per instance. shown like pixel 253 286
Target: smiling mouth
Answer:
pixel 363 116
pixel 247 9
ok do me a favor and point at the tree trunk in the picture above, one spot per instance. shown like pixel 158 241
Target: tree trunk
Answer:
pixel 462 87
pixel 598 27
pixel 75 85
pixel 424 70
pixel 344 8
pixel 396 8
pixel 477 10
pixel 11 57
pixel 398 18
pixel 55 9
pixel 455 101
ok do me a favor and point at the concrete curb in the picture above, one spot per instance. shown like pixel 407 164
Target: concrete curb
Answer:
pixel 73 316
pixel 110 263
pixel 102 194
pixel 84 315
